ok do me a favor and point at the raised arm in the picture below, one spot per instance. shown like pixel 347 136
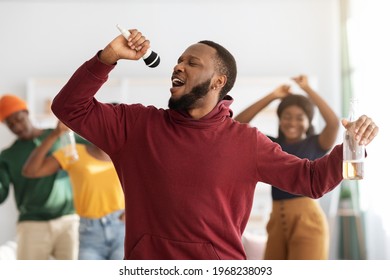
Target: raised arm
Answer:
pixel 249 113
pixel 40 165
pixel 328 135
pixel 76 106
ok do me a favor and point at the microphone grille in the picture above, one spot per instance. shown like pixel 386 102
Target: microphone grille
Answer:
pixel 153 60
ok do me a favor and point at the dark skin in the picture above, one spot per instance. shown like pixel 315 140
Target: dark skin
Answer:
pixel 20 124
pixel 195 66
pixel 293 121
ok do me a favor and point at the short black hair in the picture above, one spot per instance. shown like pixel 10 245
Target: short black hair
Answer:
pixel 225 64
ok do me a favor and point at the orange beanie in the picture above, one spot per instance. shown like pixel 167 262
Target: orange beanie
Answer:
pixel 10 104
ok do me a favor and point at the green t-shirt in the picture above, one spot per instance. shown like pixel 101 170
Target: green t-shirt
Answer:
pixel 39 199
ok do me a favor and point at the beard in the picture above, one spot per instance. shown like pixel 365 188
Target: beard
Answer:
pixel 188 100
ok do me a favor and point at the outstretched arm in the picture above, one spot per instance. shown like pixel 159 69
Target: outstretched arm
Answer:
pixel 40 165
pixel 328 135
pixel 249 113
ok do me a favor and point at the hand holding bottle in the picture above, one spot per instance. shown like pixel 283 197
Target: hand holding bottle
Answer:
pixel 364 129
pixel 60 128
pixel 357 135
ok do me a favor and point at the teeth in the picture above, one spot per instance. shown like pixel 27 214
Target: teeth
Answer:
pixel 177 82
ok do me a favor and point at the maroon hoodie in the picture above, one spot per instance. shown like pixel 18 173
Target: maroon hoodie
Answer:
pixel 188 184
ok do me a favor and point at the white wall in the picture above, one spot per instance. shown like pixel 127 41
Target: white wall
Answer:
pixel 268 38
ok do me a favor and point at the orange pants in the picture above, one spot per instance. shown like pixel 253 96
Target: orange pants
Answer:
pixel 297 230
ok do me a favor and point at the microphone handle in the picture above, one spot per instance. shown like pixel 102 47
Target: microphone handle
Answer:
pixel 151 58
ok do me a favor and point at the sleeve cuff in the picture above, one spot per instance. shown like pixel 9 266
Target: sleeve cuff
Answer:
pixel 98 68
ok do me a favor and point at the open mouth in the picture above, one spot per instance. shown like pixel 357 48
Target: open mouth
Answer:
pixel 176 82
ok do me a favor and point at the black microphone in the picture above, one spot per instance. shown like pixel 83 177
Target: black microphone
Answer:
pixel 151 58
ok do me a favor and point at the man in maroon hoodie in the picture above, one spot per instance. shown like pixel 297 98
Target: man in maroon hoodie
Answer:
pixel 188 172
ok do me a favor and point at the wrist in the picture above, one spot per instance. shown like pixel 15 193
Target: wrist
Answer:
pixel 307 88
pixel 274 95
pixel 108 56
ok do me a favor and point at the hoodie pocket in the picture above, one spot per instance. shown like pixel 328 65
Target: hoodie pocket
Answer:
pixel 151 247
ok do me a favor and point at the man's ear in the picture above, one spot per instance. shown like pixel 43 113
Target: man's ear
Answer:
pixel 220 82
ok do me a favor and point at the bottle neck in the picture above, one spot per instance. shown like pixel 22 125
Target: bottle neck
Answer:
pixel 353 110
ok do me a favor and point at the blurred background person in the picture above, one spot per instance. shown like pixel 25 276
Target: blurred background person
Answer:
pixel 47 224
pixel 98 195
pixel 298 227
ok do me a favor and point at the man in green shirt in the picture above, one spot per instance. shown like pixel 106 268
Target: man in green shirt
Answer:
pixel 47 224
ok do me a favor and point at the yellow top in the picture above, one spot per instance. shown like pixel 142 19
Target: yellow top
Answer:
pixel 96 188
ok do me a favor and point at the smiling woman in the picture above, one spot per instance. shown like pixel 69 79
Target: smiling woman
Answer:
pixel 294 218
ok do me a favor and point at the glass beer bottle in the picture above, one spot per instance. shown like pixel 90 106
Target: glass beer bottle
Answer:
pixel 353 152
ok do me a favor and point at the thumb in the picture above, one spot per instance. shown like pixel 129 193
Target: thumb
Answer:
pixel 345 123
